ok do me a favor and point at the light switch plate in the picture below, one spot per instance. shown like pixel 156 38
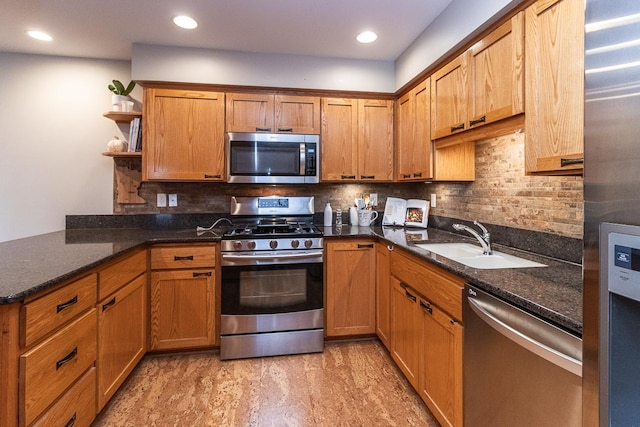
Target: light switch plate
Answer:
pixel 173 200
pixel 161 200
pixel 373 199
pixel 433 200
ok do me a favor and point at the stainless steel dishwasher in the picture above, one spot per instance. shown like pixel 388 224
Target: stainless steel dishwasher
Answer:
pixel 518 369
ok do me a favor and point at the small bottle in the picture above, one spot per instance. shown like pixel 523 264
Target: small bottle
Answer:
pixel 338 217
pixel 328 215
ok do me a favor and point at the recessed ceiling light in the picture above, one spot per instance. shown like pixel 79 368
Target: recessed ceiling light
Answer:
pixel 39 35
pixel 185 22
pixel 367 37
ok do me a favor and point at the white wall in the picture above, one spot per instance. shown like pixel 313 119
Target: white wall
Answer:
pixel 215 66
pixel 51 135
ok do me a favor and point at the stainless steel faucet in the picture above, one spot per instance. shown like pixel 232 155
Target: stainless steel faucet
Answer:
pixel 485 239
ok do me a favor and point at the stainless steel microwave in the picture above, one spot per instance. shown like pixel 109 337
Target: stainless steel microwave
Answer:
pixel 273 158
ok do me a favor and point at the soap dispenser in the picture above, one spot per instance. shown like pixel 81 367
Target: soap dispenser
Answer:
pixel 328 215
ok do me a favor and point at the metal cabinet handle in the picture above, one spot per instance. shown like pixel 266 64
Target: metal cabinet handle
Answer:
pixel 478 120
pixel 72 420
pixel 64 305
pixel 457 127
pixel 426 307
pixel 347 177
pixel 406 175
pixel 365 245
pixel 367 177
pixel 207 274
pixel 568 162
pixel 67 358
pixel 410 295
pixel 285 129
pixel 183 258
pixel 217 176
pixel 417 175
pixel 109 304
pixel 263 129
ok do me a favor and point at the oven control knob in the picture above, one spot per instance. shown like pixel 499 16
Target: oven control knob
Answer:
pixel 295 244
pixel 251 245
pixel 308 243
pixel 237 245
pixel 273 244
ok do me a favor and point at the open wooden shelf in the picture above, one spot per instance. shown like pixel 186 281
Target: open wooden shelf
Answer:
pixel 122 154
pixel 120 117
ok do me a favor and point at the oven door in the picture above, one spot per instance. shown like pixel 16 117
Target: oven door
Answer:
pixel 271 289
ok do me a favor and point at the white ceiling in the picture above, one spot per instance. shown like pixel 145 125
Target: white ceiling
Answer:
pixel 325 28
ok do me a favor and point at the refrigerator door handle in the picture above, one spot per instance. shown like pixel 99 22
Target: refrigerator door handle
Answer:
pixel 554 356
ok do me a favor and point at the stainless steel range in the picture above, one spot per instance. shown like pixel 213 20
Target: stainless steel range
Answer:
pixel 272 279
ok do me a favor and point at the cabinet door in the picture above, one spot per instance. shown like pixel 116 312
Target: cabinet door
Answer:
pixel 406 330
pixel 496 74
pixel 441 370
pixel 182 309
pixel 249 112
pixel 297 114
pixel 383 293
pixel 184 139
pixel 375 140
pixel 413 134
pixel 554 118
pixel 449 92
pixel 339 139
pixel 455 162
pixel 350 286
pixel 122 336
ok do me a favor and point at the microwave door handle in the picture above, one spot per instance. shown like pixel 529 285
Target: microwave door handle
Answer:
pixel 303 159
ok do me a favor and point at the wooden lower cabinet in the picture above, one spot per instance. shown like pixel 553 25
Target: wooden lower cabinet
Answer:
pixel 383 293
pixel 122 336
pixel 406 327
pixel 182 309
pixel 350 283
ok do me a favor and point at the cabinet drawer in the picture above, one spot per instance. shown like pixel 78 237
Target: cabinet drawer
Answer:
pixel 51 367
pixel 77 407
pixel 183 257
pixel 438 286
pixel 45 314
pixel 121 272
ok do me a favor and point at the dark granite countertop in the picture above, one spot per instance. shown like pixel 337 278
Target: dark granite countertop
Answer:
pixel 30 265
pixel 553 292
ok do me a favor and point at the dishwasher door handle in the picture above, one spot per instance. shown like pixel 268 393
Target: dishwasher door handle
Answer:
pixel 550 354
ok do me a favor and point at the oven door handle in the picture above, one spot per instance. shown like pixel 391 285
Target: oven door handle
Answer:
pixel 297 255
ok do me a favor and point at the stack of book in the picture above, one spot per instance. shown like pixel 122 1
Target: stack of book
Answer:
pixel 135 135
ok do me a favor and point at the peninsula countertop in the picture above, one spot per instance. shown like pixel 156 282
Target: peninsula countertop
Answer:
pixel 31 265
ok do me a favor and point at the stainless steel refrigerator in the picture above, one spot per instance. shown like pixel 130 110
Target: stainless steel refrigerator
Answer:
pixel 612 195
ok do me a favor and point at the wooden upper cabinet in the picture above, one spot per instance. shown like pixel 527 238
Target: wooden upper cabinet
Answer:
pixel 449 92
pixel 248 112
pixel 339 145
pixel 357 140
pixel 184 135
pixel 496 74
pixel 554 118
pixel 375 140
pixel 413 148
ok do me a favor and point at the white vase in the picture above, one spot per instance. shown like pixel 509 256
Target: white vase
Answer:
pixel 116 101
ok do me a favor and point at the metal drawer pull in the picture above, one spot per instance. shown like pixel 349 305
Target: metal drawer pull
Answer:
pixel 67 358
pixel 263 129
pixel 417 175
pixel 217 176
pixel 476 121
pixel 207 274
pixel 347 177
pixel 568 162
pixel 365 245
pixel 183 258
pixel 285 129
pixel 457 127
pixel 72 420
pixel 406 175
pixel 64 305
pixel 410 296
pixel 367 177
pixel 426 307
pixel 109 304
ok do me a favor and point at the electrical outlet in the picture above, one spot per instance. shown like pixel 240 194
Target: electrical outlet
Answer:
pixel 161 200
pixel 433 200
pixel 373 199
pixel 173 200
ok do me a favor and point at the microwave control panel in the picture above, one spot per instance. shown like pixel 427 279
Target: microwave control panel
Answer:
pixel 622 263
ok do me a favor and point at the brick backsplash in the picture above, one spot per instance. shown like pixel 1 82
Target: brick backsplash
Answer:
pixel 501 194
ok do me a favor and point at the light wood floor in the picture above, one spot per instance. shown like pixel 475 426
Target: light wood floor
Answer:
pixel 350 384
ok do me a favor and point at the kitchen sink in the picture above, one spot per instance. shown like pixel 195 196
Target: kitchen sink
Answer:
pixel 472 256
